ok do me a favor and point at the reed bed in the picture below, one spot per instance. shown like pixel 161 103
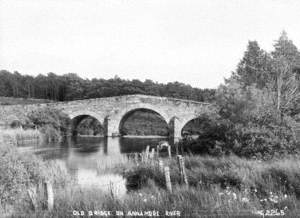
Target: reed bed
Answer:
pixel 21 137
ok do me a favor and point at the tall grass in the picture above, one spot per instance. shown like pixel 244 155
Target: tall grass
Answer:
pixel 19 172
pixel 20 137
pixel 218 187
pixel 190 202
pixel 234 172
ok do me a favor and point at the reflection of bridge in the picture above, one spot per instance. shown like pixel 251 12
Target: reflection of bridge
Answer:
pixel 111 112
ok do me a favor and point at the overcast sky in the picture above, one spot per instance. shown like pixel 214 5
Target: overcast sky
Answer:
pixel 190 41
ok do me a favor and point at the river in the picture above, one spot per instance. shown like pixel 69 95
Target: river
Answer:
pixel 81 157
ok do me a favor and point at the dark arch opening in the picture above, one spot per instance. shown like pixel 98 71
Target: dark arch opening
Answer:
pixel 195 127
pixel 143 122
pixel 86 125
pixel 204 135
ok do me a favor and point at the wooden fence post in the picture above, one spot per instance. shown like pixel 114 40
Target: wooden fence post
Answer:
pixel 48 190
pixel 152 153
pixel 185 179
pixel 136 158
pixel 169 151
pixel 32 192
pixel 152 156
pixel 176 147
pixel 181 166
pixel 168 179
pixel 178 162
pixel 157 151
pixel 161 166
pixel 142 157
pixel 147 153
pixel 111 189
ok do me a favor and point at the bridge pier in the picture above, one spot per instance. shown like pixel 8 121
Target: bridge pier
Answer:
pixel 111 127
pixel 175 129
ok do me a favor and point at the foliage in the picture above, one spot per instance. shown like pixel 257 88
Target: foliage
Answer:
pixel 17 171
pixel 284 47
pixel 213 136
pixel 256 128
pixel 50 121
pixel 254 68
pixel 278 72
pixel 144 123
pixel 90 126
pixel 72 87
pixel 258 106
pixel 286 85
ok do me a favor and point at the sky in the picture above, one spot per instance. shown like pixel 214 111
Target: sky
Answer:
pixel 191 41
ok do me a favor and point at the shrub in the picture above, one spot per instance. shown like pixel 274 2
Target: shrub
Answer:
pixel 50 133
pixel 51 122
pixel 247 125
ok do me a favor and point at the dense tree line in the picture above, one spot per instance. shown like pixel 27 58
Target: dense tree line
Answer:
pixel 72 87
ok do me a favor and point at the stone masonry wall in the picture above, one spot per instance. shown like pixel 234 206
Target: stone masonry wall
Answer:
pixel 111 110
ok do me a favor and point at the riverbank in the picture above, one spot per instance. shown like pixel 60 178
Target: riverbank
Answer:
pixel 218 187
pixel 145 136
pixel 19 173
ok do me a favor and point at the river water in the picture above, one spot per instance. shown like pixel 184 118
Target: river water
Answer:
pixel 81 157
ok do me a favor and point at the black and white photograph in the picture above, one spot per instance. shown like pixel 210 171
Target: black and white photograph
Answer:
pixel 149 108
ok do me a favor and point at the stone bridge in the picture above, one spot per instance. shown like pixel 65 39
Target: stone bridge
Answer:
pixel 112 111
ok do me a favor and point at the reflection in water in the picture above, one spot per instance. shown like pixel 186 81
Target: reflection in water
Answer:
pixel 130 145
pixel 81 156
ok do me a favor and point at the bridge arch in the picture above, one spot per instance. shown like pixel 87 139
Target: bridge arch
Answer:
pixel 78 116
pixel 159 118
pixel 190 124
pixel 116 118
pixel 199 120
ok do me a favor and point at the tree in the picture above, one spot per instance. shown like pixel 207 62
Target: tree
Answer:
pixel 285 48
pixel 254 66
pixel 285 81
pixel 73 87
